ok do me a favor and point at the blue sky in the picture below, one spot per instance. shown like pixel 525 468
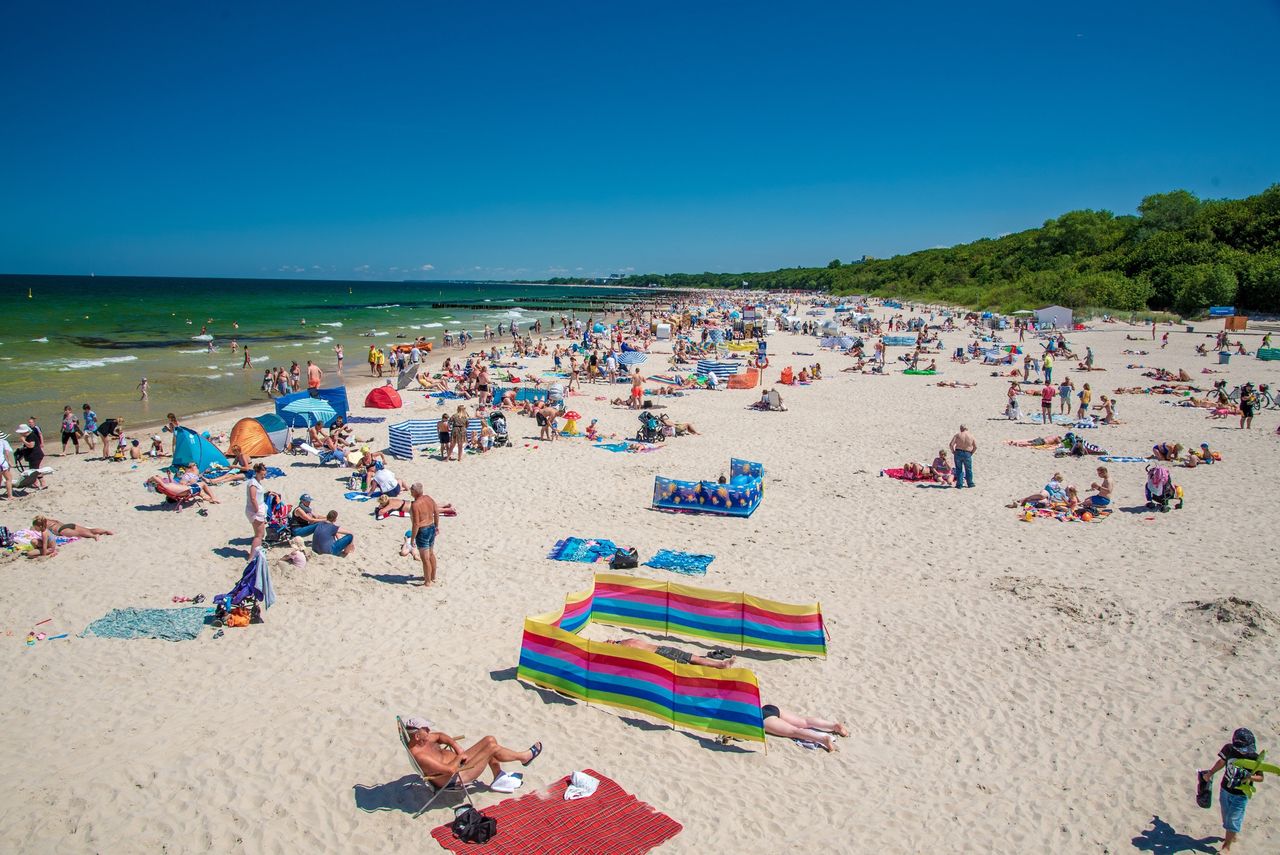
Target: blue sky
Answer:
pixel 400 140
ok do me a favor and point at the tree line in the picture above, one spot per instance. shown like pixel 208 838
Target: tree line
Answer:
pixel 1179 253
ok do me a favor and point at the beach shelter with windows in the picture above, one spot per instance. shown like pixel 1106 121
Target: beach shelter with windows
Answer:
pixel 191 447
pixel 383 398
pixel 259 436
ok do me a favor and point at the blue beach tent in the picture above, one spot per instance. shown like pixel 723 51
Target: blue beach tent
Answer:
pixel 191 447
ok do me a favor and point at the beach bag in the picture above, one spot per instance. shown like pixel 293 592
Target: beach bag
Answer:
pixel 471 826
pixel 6 538
pixel 624 559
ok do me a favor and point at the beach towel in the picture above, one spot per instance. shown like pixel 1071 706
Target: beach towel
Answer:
pixel 365 420
pixel 444 396
pixel 631 446
pixel 544 822
pixel 1058 419
pixel 1116 458
pixel 24 540
pixel 1061 514
pixel 165 624
pixel 901 475
pixel 357 497
pixel 582 550
pixel 687 563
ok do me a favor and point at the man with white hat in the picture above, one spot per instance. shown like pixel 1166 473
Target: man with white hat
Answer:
pixel 441 758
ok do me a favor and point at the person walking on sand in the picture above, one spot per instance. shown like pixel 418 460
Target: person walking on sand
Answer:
pixel 458 431
pixel 7 462
pixel 425 520
pixel 1237 782
pixel 963 446
pixel 255 506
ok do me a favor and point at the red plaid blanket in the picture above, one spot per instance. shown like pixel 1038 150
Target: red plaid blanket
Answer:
pixel 543 823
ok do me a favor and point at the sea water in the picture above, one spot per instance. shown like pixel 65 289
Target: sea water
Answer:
pixel 83 339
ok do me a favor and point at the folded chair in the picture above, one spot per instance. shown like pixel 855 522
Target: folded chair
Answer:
pixel 454 785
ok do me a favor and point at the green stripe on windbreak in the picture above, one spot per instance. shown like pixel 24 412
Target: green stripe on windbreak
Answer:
pixel 552 681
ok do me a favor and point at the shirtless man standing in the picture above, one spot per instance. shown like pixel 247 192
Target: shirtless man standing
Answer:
pixel 440 757
pixel 963 445
pixel 425 519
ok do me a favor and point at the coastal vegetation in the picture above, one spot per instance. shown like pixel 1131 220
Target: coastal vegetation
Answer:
pixel 1179 253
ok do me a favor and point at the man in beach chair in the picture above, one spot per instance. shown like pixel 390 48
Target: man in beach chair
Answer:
pixel 443 763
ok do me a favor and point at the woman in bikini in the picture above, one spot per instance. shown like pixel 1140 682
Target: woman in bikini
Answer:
pixel 60 529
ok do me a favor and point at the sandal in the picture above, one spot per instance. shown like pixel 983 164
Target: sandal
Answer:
pixel 535 749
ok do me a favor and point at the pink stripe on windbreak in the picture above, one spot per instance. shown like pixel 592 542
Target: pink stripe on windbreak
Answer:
pixel 552 651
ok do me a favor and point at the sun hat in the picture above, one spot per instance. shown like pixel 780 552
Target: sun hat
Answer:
pixel 1242 740
pixel 416 723
pixel 23 429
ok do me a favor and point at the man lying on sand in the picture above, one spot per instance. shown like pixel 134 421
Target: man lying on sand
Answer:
pixel 780 722
pixel 440 757
pixel 675 654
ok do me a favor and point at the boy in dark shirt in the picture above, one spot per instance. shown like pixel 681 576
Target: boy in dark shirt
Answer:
pixel 1237 782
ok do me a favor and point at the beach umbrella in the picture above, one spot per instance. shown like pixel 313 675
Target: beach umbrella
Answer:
pixel 314 410
pixel 631 357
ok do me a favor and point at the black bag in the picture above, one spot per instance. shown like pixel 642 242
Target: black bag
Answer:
pixel 6 539
pixel 1204 791
pixel 471 826
pixel 624 559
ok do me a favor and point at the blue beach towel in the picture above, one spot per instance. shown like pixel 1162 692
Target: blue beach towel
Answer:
pixel 365 420
pixel 444 396
pixel 583 551
pixel 166 624
pixel 357 497
pixel 687 563
pixel 1116 458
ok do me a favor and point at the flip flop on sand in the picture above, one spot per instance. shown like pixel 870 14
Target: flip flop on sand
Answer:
pixel 535 749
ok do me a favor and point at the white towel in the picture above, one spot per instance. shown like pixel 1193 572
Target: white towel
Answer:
pixel 580 786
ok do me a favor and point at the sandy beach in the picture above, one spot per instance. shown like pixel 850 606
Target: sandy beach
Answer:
pixel 1010 686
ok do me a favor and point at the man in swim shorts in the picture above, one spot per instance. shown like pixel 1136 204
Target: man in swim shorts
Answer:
pixel 675 654
pixel 1104 488
pixel 425 521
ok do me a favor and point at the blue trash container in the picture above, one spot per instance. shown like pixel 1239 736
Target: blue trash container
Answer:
pixel 1224 357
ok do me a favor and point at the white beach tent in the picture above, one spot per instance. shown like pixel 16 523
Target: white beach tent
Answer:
pixel 1054 316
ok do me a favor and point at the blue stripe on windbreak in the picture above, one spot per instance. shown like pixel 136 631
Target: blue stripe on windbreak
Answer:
pixel 713 709
pixel 628 686
pixel 555 667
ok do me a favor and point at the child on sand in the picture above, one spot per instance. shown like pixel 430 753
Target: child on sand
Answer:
pixel 1237 782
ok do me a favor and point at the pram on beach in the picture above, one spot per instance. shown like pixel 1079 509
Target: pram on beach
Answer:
pixel 1161 491
pixel 501 438
pixel 279 520
pixel 650 429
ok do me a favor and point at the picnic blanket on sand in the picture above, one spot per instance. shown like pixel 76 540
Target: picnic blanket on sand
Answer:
pixel 365 420
pixel 688 563
pixel 166 624
pixel 1117 458
pixel 629 445
pixel 540 823
pixel 901 475
pixel 583 550
pixel 1061 514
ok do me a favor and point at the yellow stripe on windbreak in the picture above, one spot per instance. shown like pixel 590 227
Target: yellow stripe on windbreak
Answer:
pixel 704 593
pixel 781 608
pixel 630 581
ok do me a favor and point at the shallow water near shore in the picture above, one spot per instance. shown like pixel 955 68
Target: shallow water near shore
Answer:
pixel 92 339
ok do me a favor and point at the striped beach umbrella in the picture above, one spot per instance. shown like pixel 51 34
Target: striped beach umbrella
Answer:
pixel 632 357
pixel 314 410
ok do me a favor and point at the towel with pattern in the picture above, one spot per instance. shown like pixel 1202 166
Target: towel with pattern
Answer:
pixel 583 550
pixel 687 563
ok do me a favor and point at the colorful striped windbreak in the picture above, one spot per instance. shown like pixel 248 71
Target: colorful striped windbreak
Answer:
pixel 719 701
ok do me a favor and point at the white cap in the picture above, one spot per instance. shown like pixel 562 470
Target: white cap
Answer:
pixel 417 723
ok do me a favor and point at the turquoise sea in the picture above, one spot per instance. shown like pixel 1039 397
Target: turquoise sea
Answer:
pixel 79 339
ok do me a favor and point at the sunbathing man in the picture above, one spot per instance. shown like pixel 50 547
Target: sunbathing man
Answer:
pixel 780 722
pixel 441 758
pixel 675 654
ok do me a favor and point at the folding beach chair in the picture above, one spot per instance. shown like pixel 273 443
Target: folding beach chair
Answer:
pixel 454 785
pixel 322 456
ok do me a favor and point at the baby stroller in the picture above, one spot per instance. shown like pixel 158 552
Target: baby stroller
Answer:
pixel 1161 491
pixel 279 521
pixel 498 422
pixel 650 429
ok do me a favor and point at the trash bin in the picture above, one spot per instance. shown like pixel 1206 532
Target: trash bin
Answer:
pixel 1191 329
pixel 1224 357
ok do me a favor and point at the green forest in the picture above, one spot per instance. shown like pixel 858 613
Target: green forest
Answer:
pixel 1179 254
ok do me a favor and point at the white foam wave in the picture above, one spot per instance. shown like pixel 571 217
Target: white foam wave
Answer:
pixel 77 364
pixel 431 326
pixel 325 338
pixel 334 324
pixel 205 337
pixel 201 350
pixel 385 306
pixel 455 322
pixel 42 339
